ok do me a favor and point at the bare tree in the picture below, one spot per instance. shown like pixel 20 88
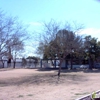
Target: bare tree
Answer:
pixel 47 35
pixel 12 35
pixel 59 41
pixel 68 42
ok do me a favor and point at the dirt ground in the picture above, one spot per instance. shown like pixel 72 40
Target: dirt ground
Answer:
pixel 35 84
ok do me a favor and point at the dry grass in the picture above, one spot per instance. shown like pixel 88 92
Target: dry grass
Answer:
pixel 33 84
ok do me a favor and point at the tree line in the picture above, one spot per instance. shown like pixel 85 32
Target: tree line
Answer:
pixel 12 37
pixel 55 41
pixel 66 43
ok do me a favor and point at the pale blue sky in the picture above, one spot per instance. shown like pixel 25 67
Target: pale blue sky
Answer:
pixel 33 12
pixel 86 12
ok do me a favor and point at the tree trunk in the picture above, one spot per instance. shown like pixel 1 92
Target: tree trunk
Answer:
pixel 14 64
pixel 41 63
pixel 2 63
pixel 59 71
pixel 66 64
pixel 90 63
pixel 71 63
pixel 55 63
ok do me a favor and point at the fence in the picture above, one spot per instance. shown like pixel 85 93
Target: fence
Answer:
pixel 18 64
pixel 44 63
pixel 52 63
pixel 76 64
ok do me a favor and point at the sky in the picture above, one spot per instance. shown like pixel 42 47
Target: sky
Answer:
pixel 34 12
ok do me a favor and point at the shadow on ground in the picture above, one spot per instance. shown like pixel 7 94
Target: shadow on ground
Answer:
pixel 43 79
pixel 64 70
pixel 6 69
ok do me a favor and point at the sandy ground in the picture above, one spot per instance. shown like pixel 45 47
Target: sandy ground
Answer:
pixel 34 84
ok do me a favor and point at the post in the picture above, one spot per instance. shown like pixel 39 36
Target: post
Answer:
pixel 55 63
pixel 41 63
